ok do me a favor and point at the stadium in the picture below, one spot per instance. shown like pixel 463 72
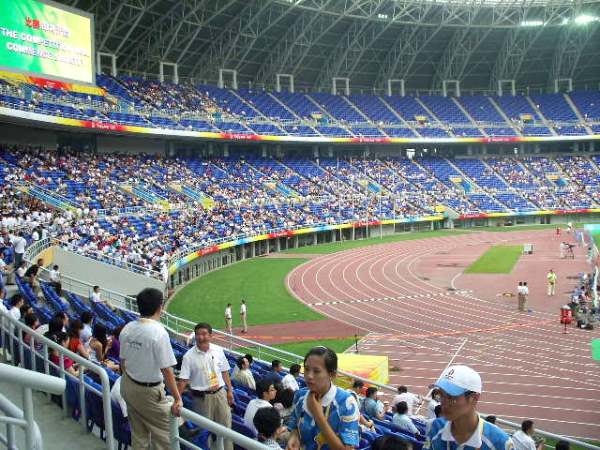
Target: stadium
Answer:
pixel 412 184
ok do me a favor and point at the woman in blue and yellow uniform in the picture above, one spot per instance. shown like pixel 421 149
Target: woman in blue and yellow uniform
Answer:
pixel 324 417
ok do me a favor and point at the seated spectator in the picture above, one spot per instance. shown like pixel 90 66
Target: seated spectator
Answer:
pixel 491 419
pixel 31 277
pixel 284 400
pixel 75 344
pixel 243 375
pixel 438 413
pixel 20 271
pixel 372 407
pixel 265 391
pixel 562 445
pixel 115 347
pixel 99 346
pixel 32 322
pixel 523 438
pixel 390 442
pixel 401 419
pixel 267 423
pixel 289 381
pixel 357 392
pixel 86 332
pixel 25 309
pixel 63 340
pixel 274 375
pixel 55 282
pixel 411 400
pixel 16 302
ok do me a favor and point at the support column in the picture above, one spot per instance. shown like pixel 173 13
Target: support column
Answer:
pixel 432 226
pixel 277 245
pixel 295 242
pixel 315 240
pixel 333 236
pixel 353 233
pixel 268 246
pixel 253 249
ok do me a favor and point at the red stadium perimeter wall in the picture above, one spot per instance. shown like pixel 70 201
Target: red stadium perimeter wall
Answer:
pixel 163 132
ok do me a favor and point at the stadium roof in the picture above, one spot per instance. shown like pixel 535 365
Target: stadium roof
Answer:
pixel 368 41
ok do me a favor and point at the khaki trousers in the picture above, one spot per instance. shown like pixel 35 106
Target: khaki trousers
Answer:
pixel 149 413
pixel 244 323
pixel 215 408
pixel 229 325
pixel 551 288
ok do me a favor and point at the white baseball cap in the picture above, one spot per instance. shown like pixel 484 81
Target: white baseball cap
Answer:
pixel 456 380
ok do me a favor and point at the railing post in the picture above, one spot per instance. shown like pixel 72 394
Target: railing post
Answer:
pixel 82 401
pixel 28 416
pixel 64 394
pixel 174 435
pixel 10 437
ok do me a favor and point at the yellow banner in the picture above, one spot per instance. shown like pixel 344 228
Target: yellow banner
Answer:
pixel 374 368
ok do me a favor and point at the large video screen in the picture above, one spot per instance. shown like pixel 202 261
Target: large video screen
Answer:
pixel 46 39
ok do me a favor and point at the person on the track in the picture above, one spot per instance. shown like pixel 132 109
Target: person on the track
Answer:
pixel 461 427
pixel 551 277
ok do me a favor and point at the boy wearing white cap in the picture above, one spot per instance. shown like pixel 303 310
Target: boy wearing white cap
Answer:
pixel 461 427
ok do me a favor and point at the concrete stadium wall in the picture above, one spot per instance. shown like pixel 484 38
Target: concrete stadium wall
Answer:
pixel 15 134
pixel 104 275
pixel 129 145
pixel 525 220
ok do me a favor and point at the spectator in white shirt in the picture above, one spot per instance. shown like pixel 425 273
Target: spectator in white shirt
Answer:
pixel 16 302
pixel 265 391
pixel 21 269
pixel 290 380
pixel 523 439
pixel 412 400
pixel 55 280
pixel 19 243
pixel 243 374
pixel 401 419
pixel 432 403
pixel 96 298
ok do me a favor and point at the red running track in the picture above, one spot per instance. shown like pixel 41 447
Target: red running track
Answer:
pixel 400 295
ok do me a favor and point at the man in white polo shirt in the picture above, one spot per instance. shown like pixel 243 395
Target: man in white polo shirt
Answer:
pixel 461 427
pixel 243 316
pixel 206 370
pixel 146 360
pixel 523 438
pixel 228 319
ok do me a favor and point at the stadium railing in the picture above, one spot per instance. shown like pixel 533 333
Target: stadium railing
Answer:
pixel 23 418
pixel 36 355
pixel 183 329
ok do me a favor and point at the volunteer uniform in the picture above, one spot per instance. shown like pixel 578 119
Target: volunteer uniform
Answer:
pixel 146 349
pixel 204 371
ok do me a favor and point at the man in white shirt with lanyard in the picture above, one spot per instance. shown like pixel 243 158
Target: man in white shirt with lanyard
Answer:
pixel 206 370
pixel 228 319
pixel 243 315
pixel 146 360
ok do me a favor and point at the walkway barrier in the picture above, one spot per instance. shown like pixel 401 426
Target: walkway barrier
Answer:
pixel 23 418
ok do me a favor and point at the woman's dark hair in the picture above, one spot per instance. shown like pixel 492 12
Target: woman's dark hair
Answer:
pixel 59 337
pixel 55 325
pixel 75 328
pixel 99 333
pixel 490 419
pixel 15 299
pixel 24 309
pixel 401 408
pixel 116 333
pixel 86 317
pixel 149 301
pixel 562 445
pixel 263 386
pixel 390 442
pixel 285 397
pixel 329 357
pixel 402 389
pixel 266 421
pixel 371 390
pixel 240 362
pixel 295 369
pixel 358 384
pixel 249 358
pixel 526 425
pixel 30 319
